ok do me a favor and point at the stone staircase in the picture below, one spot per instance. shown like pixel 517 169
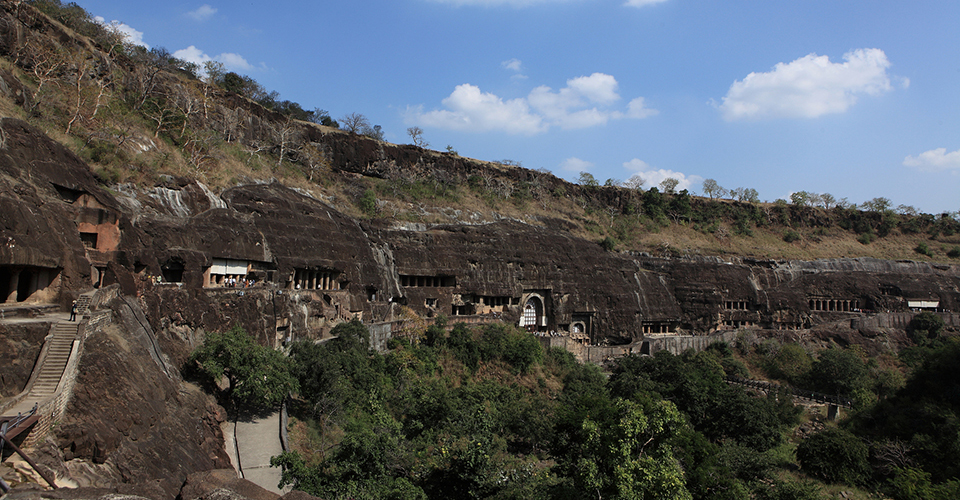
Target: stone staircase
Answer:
pixel 47 375
pixel 83 303
pixel 60 345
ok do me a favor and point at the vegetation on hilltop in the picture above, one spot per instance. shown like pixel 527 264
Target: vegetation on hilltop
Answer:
pixel 137 115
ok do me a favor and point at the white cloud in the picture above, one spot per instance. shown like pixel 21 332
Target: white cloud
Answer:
pixel 808 87
pixel 584 102
pixel 654 177
pixel 575 165
pixel 470 109
pixel 636 109
pixel 203 13
pixel 934 160
pixel 636 165
pixel 516 66
pixel 513 65
pixel 132 36
pixel 598 88
pixel 234 61
pixel 642 3
pixel 231 61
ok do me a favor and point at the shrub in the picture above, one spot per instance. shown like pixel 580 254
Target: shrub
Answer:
pixel 790 236
pixel 608 244
pixel 836 456
pixel 923 249
pixel 791 363
pixel 954 253
pixel 368 203
pixel 925 327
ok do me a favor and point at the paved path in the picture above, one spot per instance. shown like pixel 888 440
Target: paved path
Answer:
pixel 258 439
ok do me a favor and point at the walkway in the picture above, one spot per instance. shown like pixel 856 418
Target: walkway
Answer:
pixel 258 439
pixel 54 354
pixel 814 397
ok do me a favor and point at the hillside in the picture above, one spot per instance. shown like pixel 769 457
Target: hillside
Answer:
pixel 422 290
pixel 138 116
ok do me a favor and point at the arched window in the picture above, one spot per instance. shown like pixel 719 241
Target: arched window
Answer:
pixel 532 311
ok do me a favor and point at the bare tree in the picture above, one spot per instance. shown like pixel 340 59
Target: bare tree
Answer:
pixel 416 134
pixel 314 158
pixel 199 147
pixel 189 100
pixel 669 185
pixel 45 62
pixel 828 200
pixel 635 182
pixel 288 139
pixel 355 123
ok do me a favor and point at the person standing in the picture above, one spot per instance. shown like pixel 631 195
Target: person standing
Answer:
pixel 73 311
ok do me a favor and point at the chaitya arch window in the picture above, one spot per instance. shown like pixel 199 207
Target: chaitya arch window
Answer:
pixel 532 311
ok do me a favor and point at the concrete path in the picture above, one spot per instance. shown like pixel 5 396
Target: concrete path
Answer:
pixel 258 439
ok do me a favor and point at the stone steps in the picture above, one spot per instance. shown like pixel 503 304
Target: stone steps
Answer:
pixel 83 303
pixel 60 344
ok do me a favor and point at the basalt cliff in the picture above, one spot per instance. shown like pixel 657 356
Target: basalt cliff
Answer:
pixel 181 252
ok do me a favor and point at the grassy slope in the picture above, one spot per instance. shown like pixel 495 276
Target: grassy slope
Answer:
pixel 144 159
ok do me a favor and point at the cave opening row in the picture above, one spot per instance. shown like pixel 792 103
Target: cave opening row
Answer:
pixel 20 283
pixel 834 305
pixel 428 281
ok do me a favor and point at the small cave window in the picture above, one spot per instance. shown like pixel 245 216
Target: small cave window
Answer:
pixel 89 240
pixel 172 271
pixel 431 302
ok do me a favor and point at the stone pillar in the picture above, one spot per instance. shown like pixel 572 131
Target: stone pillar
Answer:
pixel 833 412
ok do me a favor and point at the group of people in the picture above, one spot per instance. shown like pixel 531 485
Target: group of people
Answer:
pixel 550 334
pixel 241 283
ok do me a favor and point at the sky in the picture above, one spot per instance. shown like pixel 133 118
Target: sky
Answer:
pixel 858 99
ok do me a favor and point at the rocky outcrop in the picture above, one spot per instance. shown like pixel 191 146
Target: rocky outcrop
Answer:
pixel 20 346
pixel 143 424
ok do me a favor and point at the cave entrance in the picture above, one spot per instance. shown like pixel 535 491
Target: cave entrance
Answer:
pixel 19 283
pixel 172 271
pixel 532 313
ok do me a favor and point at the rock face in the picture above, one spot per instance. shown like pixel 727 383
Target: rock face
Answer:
pixel 142 424
pixel 285 265
pixel 19 348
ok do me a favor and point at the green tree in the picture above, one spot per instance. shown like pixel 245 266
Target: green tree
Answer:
pixel 669 185
pixel 836 456
pixel 838 371
pixel 368 203
pixel 630 456
pixel 791 363
pixel 259 377
pixel 587 179
pixel 712 189
pixel 800 198
pixel 925 327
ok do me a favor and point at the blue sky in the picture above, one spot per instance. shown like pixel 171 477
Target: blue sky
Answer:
pixel 859 99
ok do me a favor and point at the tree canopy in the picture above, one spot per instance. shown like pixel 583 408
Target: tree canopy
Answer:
pixel 259 377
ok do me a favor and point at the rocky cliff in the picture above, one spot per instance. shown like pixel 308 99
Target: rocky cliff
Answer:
pixel 288 263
